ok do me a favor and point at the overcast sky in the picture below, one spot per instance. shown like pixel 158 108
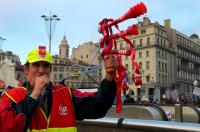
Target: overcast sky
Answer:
pixel 24 29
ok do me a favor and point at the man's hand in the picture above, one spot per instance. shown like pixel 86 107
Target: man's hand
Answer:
pixel 40 84
pixel 110 61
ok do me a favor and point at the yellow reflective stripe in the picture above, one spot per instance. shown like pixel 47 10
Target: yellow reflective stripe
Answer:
pixel 67 129
pixel 43 113
pixel 10 97
pixel 23 88
pixel 48 120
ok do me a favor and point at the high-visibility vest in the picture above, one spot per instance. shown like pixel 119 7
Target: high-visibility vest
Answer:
pixel 62 116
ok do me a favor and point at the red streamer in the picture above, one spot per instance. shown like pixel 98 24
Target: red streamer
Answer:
pixel 108 40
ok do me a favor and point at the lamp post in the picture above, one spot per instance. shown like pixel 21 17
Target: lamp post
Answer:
pixel 143 86
pixel 1 42
pixel 51 19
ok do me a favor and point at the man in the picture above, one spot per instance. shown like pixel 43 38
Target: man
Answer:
pixel 40 106
pixel 174 93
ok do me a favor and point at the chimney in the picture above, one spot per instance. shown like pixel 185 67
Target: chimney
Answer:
pixel 167 23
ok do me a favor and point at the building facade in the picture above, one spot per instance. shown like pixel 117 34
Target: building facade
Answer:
pixel 9 56
pixel 165 57
pixel 187 60
pixel 87 52
pixel 11 69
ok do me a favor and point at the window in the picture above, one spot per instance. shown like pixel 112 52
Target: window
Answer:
pixel 67 53
pixel 143 31
pixel 147 54
pixel 162 78
pixel 147 78
pixel 148 41
pixel 159 54
pixel 166 67
pixel 134 43
pixel 55 77
pixel 86 56
pixel 140 64
pixel 162 66
pixel 127 46
pixel 60 76
pixel 141 42
pixel 61 69
pixel 60 62
pixel 55 69
pixel 140 54
pixel 81 57
pixel 159 66
pixel 158 41
pixel 147 65
pixel 121 45
pixel 164 43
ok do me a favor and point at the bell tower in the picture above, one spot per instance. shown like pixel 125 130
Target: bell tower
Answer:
pixel 64 48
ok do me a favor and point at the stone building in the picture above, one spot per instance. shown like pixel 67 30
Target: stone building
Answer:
pixel 86 52
pixel 73 69
pixel 11 69
pixel 165 56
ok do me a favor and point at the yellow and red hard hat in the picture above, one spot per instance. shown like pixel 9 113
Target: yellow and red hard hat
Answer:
pixel 39 54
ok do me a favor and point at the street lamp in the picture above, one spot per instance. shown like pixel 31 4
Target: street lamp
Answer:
pixel 51 20
pixel 1 42
pixel 143 86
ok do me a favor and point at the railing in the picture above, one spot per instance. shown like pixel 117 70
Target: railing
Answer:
pixel 177 113
pixel 146 111
pixel 108 124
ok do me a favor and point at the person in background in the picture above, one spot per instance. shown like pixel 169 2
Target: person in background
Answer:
pixel 2 88
pixel 129 99
pixel 41 106
pixel 174 94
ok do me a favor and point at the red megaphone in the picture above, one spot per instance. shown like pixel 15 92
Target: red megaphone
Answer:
pixel 133 12
pixel 132 30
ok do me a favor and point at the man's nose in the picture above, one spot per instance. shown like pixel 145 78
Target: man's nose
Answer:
pixel 41 69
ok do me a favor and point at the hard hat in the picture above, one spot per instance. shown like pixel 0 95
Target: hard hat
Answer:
pixel 39 54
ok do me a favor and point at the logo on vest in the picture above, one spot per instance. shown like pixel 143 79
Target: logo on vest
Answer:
pixel 63 110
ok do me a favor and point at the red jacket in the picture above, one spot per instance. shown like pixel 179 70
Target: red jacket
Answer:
pixel 18 110
pixel 62 115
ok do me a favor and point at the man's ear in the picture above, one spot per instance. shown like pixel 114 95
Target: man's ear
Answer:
pixel 26 69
